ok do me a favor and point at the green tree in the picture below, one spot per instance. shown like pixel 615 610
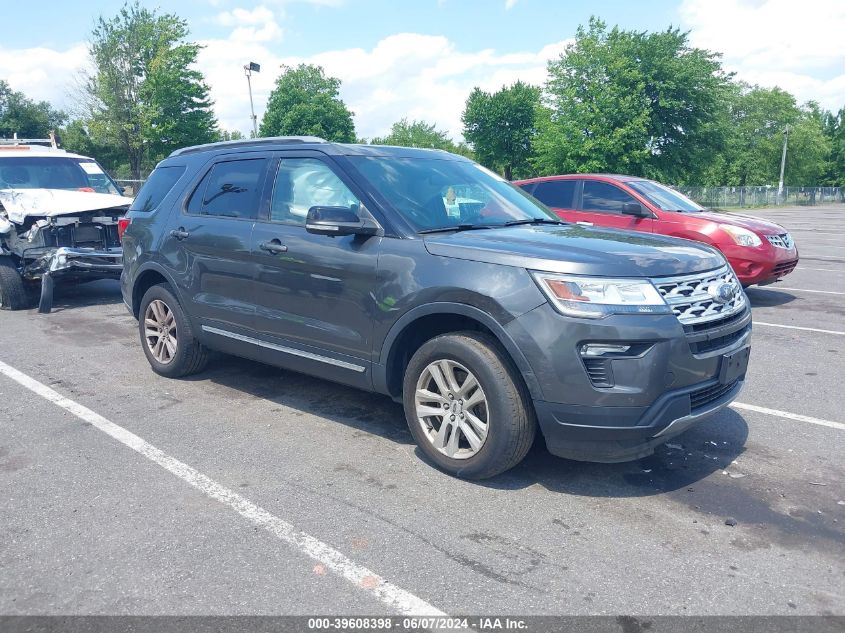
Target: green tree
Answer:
pixel 752 154
pixel 306 102
pixel 633 102
pixel 835 131
pixel 501 126
pixel 25 117
pixel 231 135
pixel 143 95
pixel 406 133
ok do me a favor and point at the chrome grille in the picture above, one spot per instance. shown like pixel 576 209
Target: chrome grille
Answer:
pixel 692 302
pixel 783 240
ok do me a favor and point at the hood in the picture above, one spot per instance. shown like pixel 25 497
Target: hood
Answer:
pixel 578 250
pixel 758 225
pixel 23 203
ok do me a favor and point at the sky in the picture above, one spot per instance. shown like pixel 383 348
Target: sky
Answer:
pixel 421 58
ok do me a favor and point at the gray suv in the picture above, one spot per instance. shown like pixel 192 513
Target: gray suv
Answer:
pixel 423 276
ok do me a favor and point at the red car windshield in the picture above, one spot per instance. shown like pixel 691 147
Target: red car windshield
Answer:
pixel 663 197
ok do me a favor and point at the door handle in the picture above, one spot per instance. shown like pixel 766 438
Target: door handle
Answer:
pixel 180 233
pixel 585 223
pixel 273 246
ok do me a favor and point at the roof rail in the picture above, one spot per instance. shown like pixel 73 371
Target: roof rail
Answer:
pixel 50 142
pixel 251 142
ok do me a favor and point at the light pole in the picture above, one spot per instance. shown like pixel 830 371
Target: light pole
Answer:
pixel 783 161
pixel 250 68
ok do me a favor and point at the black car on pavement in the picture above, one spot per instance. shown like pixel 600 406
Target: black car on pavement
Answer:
pixel 423 276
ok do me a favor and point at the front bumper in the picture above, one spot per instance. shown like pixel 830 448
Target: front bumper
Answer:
pixel 75 262
pixel 652 396
pixel 763 264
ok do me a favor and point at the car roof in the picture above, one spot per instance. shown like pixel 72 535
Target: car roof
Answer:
pixel 616 177
pixel 313 142
pixel 37 150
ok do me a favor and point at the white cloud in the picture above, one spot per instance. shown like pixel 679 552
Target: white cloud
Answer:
pixel 43 74
pixel 256 25
pixel 798 46
pixel 510 4
pixel 403 75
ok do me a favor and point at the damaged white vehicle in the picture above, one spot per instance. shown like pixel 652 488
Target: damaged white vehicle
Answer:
pixel 59 223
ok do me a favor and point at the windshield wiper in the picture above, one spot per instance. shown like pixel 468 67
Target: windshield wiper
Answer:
pixel 534 221
pixel 456 227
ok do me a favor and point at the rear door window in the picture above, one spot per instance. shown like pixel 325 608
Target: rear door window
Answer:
pixel 231 189
pixel 159 184
pixel 602 197
pixel 559 194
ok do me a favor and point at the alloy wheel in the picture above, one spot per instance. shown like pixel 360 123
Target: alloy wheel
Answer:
pixel 451 409
pixel 160 331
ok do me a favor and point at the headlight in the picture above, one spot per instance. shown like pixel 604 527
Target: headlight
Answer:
pixel 595 298
pixel 742 236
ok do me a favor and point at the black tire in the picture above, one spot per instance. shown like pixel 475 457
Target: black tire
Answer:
pixel 13 295
pixel 510 415
pixel 190 356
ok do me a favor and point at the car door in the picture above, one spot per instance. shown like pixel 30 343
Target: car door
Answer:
pixel 560 196
pixel 601 204
pixel 208 244
pixel 314 293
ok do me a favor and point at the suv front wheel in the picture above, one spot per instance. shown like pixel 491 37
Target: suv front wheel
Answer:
pixel 466 407
pixel 166 335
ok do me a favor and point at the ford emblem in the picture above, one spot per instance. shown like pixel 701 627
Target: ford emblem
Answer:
pixel 722 292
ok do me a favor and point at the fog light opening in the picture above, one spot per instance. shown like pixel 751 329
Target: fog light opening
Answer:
pixel 594 350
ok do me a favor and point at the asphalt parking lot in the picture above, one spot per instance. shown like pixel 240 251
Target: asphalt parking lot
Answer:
pixel 251 490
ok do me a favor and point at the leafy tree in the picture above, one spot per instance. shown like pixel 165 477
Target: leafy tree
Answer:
pixel 306 102
pixel 144 96
pixel 406 133
pixel 632 102
pixel 501 127
pixel 25 117
pixel 834 129
pixel 752 154
pixel 231 135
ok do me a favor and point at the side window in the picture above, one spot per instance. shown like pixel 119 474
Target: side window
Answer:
pixel 559 194
pixel 158 185
pixel 302 183
pixel 231 189
pixel 602 197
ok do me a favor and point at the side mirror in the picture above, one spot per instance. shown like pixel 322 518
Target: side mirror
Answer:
pixel 337 221
pixel 635 209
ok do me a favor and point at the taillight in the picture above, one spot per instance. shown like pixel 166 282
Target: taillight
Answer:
pixel 122 225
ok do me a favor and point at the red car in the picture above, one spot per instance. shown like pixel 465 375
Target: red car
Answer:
pixel 760 252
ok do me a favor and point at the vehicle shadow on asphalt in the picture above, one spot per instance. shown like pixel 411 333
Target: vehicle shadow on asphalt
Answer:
pixel 768 297
pixel 708 447
pixel 72 296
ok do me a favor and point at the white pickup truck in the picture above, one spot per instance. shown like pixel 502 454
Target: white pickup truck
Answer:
pixel 59 215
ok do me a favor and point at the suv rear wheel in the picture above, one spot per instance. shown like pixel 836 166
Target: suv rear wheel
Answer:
pixel 166 335
pixel 466 407
pixel 13 295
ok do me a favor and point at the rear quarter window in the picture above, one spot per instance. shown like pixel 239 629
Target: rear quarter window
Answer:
pixel 159 184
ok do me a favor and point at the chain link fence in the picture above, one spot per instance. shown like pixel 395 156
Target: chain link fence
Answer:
pixel 130 187
pixel 727 197
pixel 716 197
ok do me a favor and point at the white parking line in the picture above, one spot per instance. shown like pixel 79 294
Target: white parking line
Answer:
pixel 823 270
pixel 788 416
pixel 821 292
pixel 798 327
pixel 388 593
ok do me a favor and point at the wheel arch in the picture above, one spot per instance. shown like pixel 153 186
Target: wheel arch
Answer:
pixel 145 279
pixel 425 322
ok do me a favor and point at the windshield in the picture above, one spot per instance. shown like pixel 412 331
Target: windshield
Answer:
pixel 436 193
pixel 663 197
pixel 54 172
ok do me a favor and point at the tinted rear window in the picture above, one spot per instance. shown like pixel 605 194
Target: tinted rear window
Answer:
pixel 158 185
pixel 556 193
pixel 231 189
